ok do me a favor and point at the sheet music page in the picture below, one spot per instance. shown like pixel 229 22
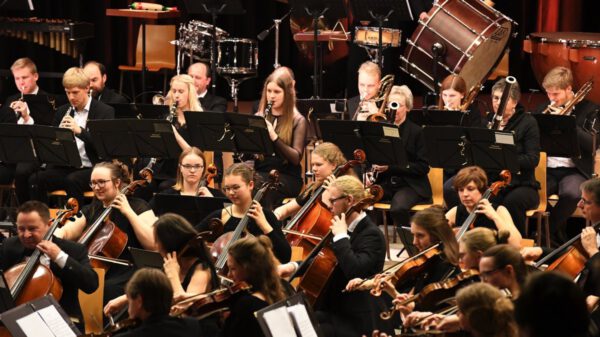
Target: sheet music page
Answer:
pixel 56 322
pixel 279 322
pixel 302 320
pixel 33 326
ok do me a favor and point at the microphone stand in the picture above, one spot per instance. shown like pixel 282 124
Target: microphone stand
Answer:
pixel 265 33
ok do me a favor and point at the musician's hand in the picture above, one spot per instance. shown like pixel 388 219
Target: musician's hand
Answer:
pixel 49 248
pixel 256 213
pixel 531 253
pixel 448 323
pixel 383 282
pixel 272 134
pixel 171 266
pixel 339 225
pixel 286 269
pixel 115 305
pixel 204 192
pixel 485 207
pixel 358 284
pixel 376 333
pixel 588 241
pixel 328 181
pixel 68 122
pixel 380 168
pixel 122 204
pixel 403 309
pixel 21 108
pixel 415 318
pixel 592 302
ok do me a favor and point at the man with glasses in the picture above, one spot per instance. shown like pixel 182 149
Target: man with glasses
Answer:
pixel 589 278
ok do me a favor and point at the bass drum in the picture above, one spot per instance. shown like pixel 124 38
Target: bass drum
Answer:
pixel 577 51
pixel 474 37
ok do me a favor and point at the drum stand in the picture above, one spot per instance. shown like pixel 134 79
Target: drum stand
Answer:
pixel 316 14
pixel 265 33
pixel 438 50
pixel 234 83
pixel 214 12
pixel 378 54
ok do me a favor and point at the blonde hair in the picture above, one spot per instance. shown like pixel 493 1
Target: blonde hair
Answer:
pixel 488 312
pixel 190 150
pixel 481 238
pixel 403 91
pixel 285 123
pixel 192 102
pixel 350 186
pixel 75 78
pixel 558 77
pixel 242 170
pixel 370 68
pixel 331 153
pixel 24 62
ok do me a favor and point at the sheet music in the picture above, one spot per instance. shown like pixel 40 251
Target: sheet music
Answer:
pixel 56 322
pixel 279 322
pixel 33 326
pixel 302 320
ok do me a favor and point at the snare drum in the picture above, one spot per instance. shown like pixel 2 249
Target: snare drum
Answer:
pixel 195 39
pixel 474 37
pixel 237 57
pixel 369 37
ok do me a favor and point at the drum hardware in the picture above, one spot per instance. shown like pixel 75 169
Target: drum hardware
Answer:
pixel 237 61
pixel 375 40
pixel 265 33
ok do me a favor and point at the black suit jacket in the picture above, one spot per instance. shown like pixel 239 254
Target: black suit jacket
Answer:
pixel 161 326
pixel 109 96
pixel 415 175
pixel 98 110
pixel 8 115
pixel 77 273
pixel 352 106
pixel 212 102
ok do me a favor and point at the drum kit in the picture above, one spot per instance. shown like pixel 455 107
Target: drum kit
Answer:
pixel 368 38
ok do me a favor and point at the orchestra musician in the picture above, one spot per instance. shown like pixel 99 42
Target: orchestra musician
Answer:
pixel 200 72
pixel 132 215
pixel 470 183
pixel 73 116
pixel 503 267
pixel 149 294
pixel 182 95
pixel 405 186
pixel 369 80
pixel 565 175
pixel 287 129
pixel 68 260
pixel 238 184
pixel 96 71
pixel 251 260
pixel 324 160
pixel 359 247
pixel 453 96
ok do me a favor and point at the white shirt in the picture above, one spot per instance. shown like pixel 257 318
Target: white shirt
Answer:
pixel 81 120
pixel 554 162
pixel 351 227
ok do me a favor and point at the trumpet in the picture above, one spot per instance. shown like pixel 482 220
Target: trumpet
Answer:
pixel 568 107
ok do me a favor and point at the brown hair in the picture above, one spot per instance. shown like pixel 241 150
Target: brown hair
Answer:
pixel 190 150
pixel 433 221
pixel 592 186
pixel 468 174
pixel 255 257
pixel 285 123
pixel 481 238
pixel 488 312
pixel 155 289
pixel 242 170
pixel 117 170
pixel 506 255
pixel 452 82
pixel 35 206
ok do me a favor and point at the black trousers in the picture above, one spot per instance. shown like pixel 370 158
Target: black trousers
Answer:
pixel 7 173
pixel 518 200
pixel 402 199
pixel 23 173
pixel 73 181
pixel 565 182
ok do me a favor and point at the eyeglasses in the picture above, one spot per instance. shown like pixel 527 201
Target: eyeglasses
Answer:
pixel 486 274
pixel 333 200
pixel 233 188
pixel 192 167
pixel 100 183
pixel 585 202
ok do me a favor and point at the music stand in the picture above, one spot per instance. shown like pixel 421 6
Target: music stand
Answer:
pixel 315 109
pixel 452 147
pixel 146 258
pixel 140 111
pixel 7 302
pixel 315 9
pixel 41 108
pixel 290 317
pixel 437 117
pixel 117 138
pixel 193 209
pixel 229 132
pixel 39 144
pixel 558 135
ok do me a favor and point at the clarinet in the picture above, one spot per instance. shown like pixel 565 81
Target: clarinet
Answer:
pixel 172 111
pixel 268 109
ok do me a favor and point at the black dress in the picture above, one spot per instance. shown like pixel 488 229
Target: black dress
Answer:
pixel 480 221
pixel 241 320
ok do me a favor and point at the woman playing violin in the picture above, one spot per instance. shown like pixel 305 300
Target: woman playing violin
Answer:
pixel 470 183
pixel 132 215
pixel 149 294
pixel 287 129
pixel 324 159
pixel 238 184
pixel 251 261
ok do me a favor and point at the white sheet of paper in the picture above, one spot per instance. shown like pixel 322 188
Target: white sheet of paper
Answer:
pixel 302 320
pixel 33 326
pixel 279 322
pixel 56 322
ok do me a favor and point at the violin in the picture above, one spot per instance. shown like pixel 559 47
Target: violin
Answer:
pixel 31 280
pixel 493 190
pixel 211 173
pixel 104 237
pixel 314 218
pixel 436 293
pixel 203 305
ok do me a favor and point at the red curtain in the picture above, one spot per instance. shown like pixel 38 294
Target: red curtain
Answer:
pixel 559 15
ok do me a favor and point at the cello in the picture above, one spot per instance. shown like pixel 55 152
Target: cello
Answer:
pixel 322 258
pixel 104 237
pixel 314 218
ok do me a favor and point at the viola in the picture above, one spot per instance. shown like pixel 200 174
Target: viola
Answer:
pixel 211 173
pixel 203 305
pixel 493 190
pixel 435 293
pixel 220 247
pixel 313 220
pixel 322 259
pixel 104 237
pixel 31 280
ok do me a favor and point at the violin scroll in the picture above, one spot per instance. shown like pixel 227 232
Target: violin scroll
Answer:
pixel 505 177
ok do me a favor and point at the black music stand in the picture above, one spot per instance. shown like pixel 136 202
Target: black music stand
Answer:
pixel 437 117
pixel 140 111
pixel 315 9
pixel 558 135
pixel 39 144
pixel 293 315
pixel 7 302
pixel 452 147
pixel 146 258
pixel 315 109
pixel 229 132
pixel 118 138
pixel 42 315
pixel 381 11
pixel 193 209
pixel 41 108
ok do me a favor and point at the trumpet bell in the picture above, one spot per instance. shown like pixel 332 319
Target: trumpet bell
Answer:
pixel 158 99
